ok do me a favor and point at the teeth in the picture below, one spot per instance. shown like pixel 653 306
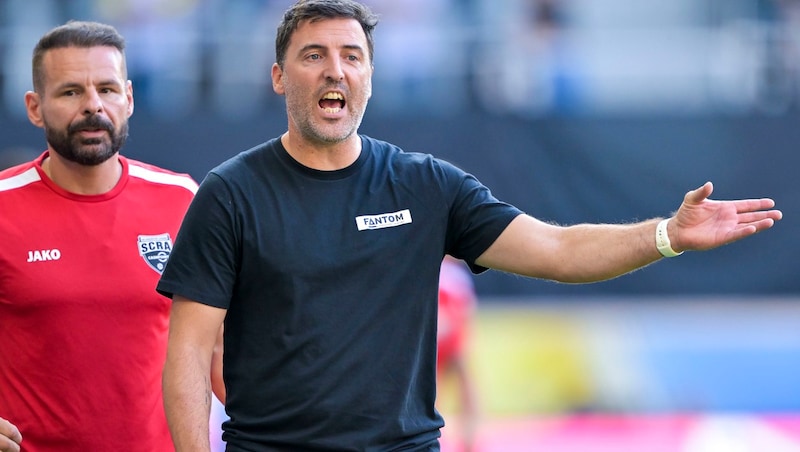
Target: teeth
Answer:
pixel 335 96
pixel 332 110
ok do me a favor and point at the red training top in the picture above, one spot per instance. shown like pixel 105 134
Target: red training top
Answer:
pixel 83 332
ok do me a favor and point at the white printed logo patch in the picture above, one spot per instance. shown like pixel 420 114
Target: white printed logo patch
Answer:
pixel 44 255
pixel 155 250
pixel 383 220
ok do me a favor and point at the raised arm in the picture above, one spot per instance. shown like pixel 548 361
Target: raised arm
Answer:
pixel 595 252
pixel 193 333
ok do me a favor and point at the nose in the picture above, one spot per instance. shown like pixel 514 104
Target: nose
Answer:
pixel 92 103
pixel 333 70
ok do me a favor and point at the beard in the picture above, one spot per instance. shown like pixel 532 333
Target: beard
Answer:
pixel 301 112
pixel 89 152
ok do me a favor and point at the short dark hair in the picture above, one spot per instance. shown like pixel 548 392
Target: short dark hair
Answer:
pixel 75 34
pixel 314 10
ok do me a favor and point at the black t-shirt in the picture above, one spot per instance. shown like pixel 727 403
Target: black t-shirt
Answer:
pixel 330 283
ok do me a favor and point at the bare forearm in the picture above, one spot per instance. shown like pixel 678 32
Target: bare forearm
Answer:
pixel 597 252
pixel 187 401
pixel 193 330
pixel 575 254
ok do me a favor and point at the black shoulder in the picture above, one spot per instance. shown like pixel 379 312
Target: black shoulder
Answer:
pixel 393 155
pixel 247 159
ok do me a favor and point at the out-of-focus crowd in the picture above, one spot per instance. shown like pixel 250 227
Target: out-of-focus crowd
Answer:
pixel 441 57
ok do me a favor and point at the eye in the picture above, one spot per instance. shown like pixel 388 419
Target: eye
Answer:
pixel 314 56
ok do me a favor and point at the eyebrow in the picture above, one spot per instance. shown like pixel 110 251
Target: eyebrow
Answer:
pixel 103 82
pixel 74 85
pixel 322 47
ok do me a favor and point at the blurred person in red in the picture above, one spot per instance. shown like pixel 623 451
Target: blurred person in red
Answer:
pixel 457 304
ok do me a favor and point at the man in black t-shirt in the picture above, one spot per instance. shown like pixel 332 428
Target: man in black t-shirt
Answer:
pixel 320 250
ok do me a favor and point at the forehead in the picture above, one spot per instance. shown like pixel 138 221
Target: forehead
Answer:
pixel 79 64
pixel 338 32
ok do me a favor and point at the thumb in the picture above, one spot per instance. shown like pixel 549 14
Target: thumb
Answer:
pixel 699 194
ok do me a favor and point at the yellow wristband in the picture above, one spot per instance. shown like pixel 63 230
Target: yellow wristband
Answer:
pixel 662 240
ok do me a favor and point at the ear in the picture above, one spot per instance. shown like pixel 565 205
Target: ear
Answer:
pixel 371 73
pixel 129 95
pixel 33 106
pixel 277 79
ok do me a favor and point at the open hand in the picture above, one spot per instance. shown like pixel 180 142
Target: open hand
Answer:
pixel 702 223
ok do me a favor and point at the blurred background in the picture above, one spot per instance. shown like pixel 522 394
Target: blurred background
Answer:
pixel 573 110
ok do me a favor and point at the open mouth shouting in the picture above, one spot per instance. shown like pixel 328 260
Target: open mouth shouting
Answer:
pixel 332 102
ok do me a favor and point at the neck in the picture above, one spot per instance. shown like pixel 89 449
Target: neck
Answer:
pixel 81 179
pixel 322 157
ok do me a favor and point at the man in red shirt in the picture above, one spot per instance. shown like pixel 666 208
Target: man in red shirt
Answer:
pixel 86 234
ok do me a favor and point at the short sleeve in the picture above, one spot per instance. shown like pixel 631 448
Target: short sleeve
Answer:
pixel 476 219
pixel 202 265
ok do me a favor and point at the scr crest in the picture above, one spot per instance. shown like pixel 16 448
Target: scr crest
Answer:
pixel 155 250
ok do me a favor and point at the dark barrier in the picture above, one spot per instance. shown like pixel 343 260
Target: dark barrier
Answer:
pixel 565 171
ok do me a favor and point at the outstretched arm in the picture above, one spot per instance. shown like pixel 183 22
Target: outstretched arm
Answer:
pixel 193 332
pixel 594 252
pixel 10 438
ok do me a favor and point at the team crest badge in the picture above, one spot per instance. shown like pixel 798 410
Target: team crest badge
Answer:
pixel 155 250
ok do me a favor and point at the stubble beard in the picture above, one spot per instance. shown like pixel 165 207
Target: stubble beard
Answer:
pixel 302 113
pixel 88 152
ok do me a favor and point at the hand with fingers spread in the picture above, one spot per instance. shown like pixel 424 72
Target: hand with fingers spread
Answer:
pixel 702 223
pixel 10 437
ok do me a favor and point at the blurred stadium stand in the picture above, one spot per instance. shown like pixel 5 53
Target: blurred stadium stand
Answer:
pixel 532 57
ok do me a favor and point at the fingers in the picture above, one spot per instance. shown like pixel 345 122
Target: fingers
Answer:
pixel 10 437
pixel 6 445
pixel 748 229
pixel 758 213
pixel 762 205
pixel 752 217
pixel 761 225
pixel 756 205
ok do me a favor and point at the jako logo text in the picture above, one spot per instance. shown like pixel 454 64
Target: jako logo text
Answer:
pixel 44 255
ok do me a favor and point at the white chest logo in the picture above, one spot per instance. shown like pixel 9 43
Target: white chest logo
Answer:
pixel 44 255
pixel 155 250
pixel 383 220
